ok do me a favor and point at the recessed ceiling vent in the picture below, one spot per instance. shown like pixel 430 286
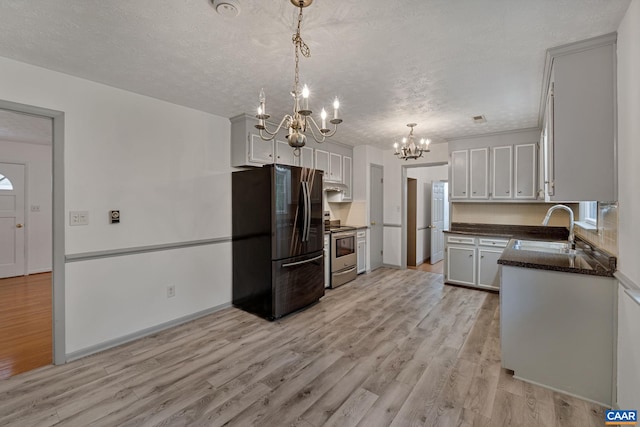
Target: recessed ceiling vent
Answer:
pixel 479 119
pixel 228 8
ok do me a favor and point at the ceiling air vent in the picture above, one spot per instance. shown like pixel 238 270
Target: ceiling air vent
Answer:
pixel 479 119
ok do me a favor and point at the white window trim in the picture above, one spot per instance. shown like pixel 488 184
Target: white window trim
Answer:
pixel 585 221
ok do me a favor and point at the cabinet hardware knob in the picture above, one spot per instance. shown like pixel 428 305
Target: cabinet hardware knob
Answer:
pixel 520 192
pixel 470 255
pixel 19 225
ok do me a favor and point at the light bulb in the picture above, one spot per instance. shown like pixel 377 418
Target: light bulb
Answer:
pixel 262 97
pixel 259 110
pixel 395 145
pixel 323 114
pixel 336 103
pixel 305 91
pixel 404 140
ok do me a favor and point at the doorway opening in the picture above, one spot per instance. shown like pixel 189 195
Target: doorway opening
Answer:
pixel 31 239
pixel 425 215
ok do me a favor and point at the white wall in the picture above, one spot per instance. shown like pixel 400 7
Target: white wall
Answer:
pixel 363 157
pixel 629 202
pixel 392 197
pixel 167 169
pixel 38 192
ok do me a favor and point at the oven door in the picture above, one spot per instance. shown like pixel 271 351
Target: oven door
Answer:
pixel 343 250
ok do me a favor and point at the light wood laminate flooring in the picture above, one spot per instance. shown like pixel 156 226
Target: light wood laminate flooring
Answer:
pixel 438 267
pixel 25 324
pixel 392 348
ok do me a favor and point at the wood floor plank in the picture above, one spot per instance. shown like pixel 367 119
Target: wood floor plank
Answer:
pixel 394 347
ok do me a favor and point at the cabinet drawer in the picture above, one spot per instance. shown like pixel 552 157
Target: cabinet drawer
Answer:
pixel 361 234
pixel 498 243
pixel 461 240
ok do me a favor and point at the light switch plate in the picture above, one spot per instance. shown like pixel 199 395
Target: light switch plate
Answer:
pixel 78 218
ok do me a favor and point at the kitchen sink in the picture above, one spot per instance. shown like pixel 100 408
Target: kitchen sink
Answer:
pixel 541 246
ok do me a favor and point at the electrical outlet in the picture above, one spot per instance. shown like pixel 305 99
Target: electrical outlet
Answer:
pixel 35 208
pixel 171 291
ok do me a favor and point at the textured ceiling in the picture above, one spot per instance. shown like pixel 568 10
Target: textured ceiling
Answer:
pixel 17 127
pixel 433 62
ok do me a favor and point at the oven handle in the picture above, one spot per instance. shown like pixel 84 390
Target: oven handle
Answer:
pixel 291 264
pixel 344 272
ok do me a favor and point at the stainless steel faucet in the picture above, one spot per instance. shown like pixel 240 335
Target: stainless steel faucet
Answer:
pixel 572 237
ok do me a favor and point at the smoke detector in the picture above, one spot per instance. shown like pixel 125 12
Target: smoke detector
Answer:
pixel 228 8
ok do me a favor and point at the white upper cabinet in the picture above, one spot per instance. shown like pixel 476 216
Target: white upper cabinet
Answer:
pixel 285 154
pixel 502 173
pixel 260 151
pixel 580 138
pixel 479 173
pixel 347 177
pixel 335 168
pixel 306 157
pixel 459 174
pixel 322 162
pixel 525 171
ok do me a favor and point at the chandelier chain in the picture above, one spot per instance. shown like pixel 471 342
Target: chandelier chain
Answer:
pixel 300 46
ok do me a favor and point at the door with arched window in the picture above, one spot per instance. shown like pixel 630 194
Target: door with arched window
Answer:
pixel 12 226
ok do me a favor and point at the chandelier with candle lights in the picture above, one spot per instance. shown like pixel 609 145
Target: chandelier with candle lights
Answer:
pixel 301 120
pixel 409 149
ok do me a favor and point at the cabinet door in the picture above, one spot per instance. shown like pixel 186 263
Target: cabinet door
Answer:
pixel 488 268
pixel 285 154
pixel 461 263
pixel 347 177
pixel 459 174
pixel 306 157
pixel 335 167
pixel 322 163
pixel 479 172
pixel 362 248
pixel 261 151
pixel 525 171
pixel 502 173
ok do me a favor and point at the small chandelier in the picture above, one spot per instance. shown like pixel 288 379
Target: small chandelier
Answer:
pixel 409 149
pixel 300 121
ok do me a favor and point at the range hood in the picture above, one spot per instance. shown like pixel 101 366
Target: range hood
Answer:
pixel 335 187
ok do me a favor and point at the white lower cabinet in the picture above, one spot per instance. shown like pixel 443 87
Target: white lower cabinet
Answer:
pixel 461 265
pixel 488 268
pixel 473 260
pixel 362 251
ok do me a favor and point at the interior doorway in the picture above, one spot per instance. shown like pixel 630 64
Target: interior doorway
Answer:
pixel 424 176
pixel 26 240
pixel 412 220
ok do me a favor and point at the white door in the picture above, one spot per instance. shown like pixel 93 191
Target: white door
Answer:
pixel 12 231
pixel 376 215
pixel 437 221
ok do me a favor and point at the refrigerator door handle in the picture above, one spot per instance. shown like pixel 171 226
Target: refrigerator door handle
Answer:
pixel 308 210
pixel 305 208
pixel 291 264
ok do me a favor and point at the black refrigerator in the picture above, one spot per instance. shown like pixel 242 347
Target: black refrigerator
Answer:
pixel 278 263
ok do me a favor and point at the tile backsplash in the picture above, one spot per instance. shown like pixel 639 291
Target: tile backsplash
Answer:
pixel 605 237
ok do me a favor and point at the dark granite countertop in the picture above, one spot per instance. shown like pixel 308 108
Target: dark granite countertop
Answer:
pixel 585 260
